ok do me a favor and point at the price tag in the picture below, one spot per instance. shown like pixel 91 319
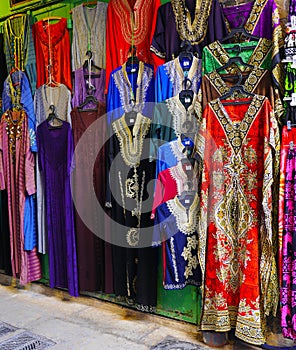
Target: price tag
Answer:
pixel 293 22
pixel 187 201
pixel 132 121
pixel 186 63
pixel 293 102
pixel 133 70
pixel 188 167
pixel 187 100
pixel 293 61
pixel 187 143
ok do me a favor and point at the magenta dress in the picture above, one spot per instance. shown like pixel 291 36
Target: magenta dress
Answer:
pixel 288 290
pixel 55 151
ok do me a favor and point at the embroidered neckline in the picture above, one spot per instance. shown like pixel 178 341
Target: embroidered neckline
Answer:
pixel 134 22
pixel 56 31
pixel 181 117
pixel 131 146
pixel 236 132
pixel 196 30
pixel 145 74
pixel 14 129
pixel 186 223
pixel 250 84
pixel 181 178
pixel 263 47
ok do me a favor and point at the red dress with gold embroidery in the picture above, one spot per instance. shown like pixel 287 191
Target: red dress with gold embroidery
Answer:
pixel 236 142
pixel 52 41
pixel 129 22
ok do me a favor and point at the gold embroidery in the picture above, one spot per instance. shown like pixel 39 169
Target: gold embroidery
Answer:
pixel 14 128
pixel 194 31
pixel 254 16
pixel 250 155
pixel 131 146
pixel 135 24
pixel 218 179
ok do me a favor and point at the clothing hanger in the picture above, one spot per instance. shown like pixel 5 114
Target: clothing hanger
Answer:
pixel 239 48
pixel 89 99
pixel 16 16
pixel 236 59
pixel 186 51
pixel 186 95
pixel 239 30
pixel 236 88
pixel 53 117
pixel 132 58
pixel 89 61
pixel 51 18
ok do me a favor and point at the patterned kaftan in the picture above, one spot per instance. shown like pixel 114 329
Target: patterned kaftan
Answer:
pixel 17 177
pixel 236 252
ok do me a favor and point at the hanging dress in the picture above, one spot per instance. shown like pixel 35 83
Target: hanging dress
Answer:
pixel 126 85
pixel 236 143
pixel 19 47
pixel 176 225
pixel 171 119
pixel 17 177
pixel 170 77
pixel 81 85
pixel 198 22
pixel 261 18
pixel 288 266
pixel 60 97
pixel 55 152
pixel 129 23
pixel 90 245
pixel 52 43
pixel 129 173
pixel 89 34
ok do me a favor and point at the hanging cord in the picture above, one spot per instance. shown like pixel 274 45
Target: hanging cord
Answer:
pixel 50 63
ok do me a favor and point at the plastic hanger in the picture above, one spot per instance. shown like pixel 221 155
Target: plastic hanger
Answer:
pixel 51 18
pixel 90 61
pixel 132 58
pixel 236 88
pixel 237 60
pixel 88 99
pixel 186 51
pixel 240 30
pixel 52 117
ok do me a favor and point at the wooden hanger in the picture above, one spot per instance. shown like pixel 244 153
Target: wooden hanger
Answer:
pixel 51 18
pixel 16 15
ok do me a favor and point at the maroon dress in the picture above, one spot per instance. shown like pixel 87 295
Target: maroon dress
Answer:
pixel 90 245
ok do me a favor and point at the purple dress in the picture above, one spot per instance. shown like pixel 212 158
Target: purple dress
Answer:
pixel 288 290
pixel 55 151
pixel 203 25
pixel 80 86
pixel 260 18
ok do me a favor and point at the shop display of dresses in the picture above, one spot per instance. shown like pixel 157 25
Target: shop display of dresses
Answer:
pixel 89 34
pixel 17 177
pixel 55 152
pixel 236 203
pixel 134 266
pixel 19 47
pixel 52 46
pixel 198 22
pixel 129 23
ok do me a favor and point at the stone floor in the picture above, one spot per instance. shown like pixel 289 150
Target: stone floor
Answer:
pixel 64 323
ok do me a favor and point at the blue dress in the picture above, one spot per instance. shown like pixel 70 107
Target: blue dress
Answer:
pixel 175 225
pixel 130 82
pixel 170 77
